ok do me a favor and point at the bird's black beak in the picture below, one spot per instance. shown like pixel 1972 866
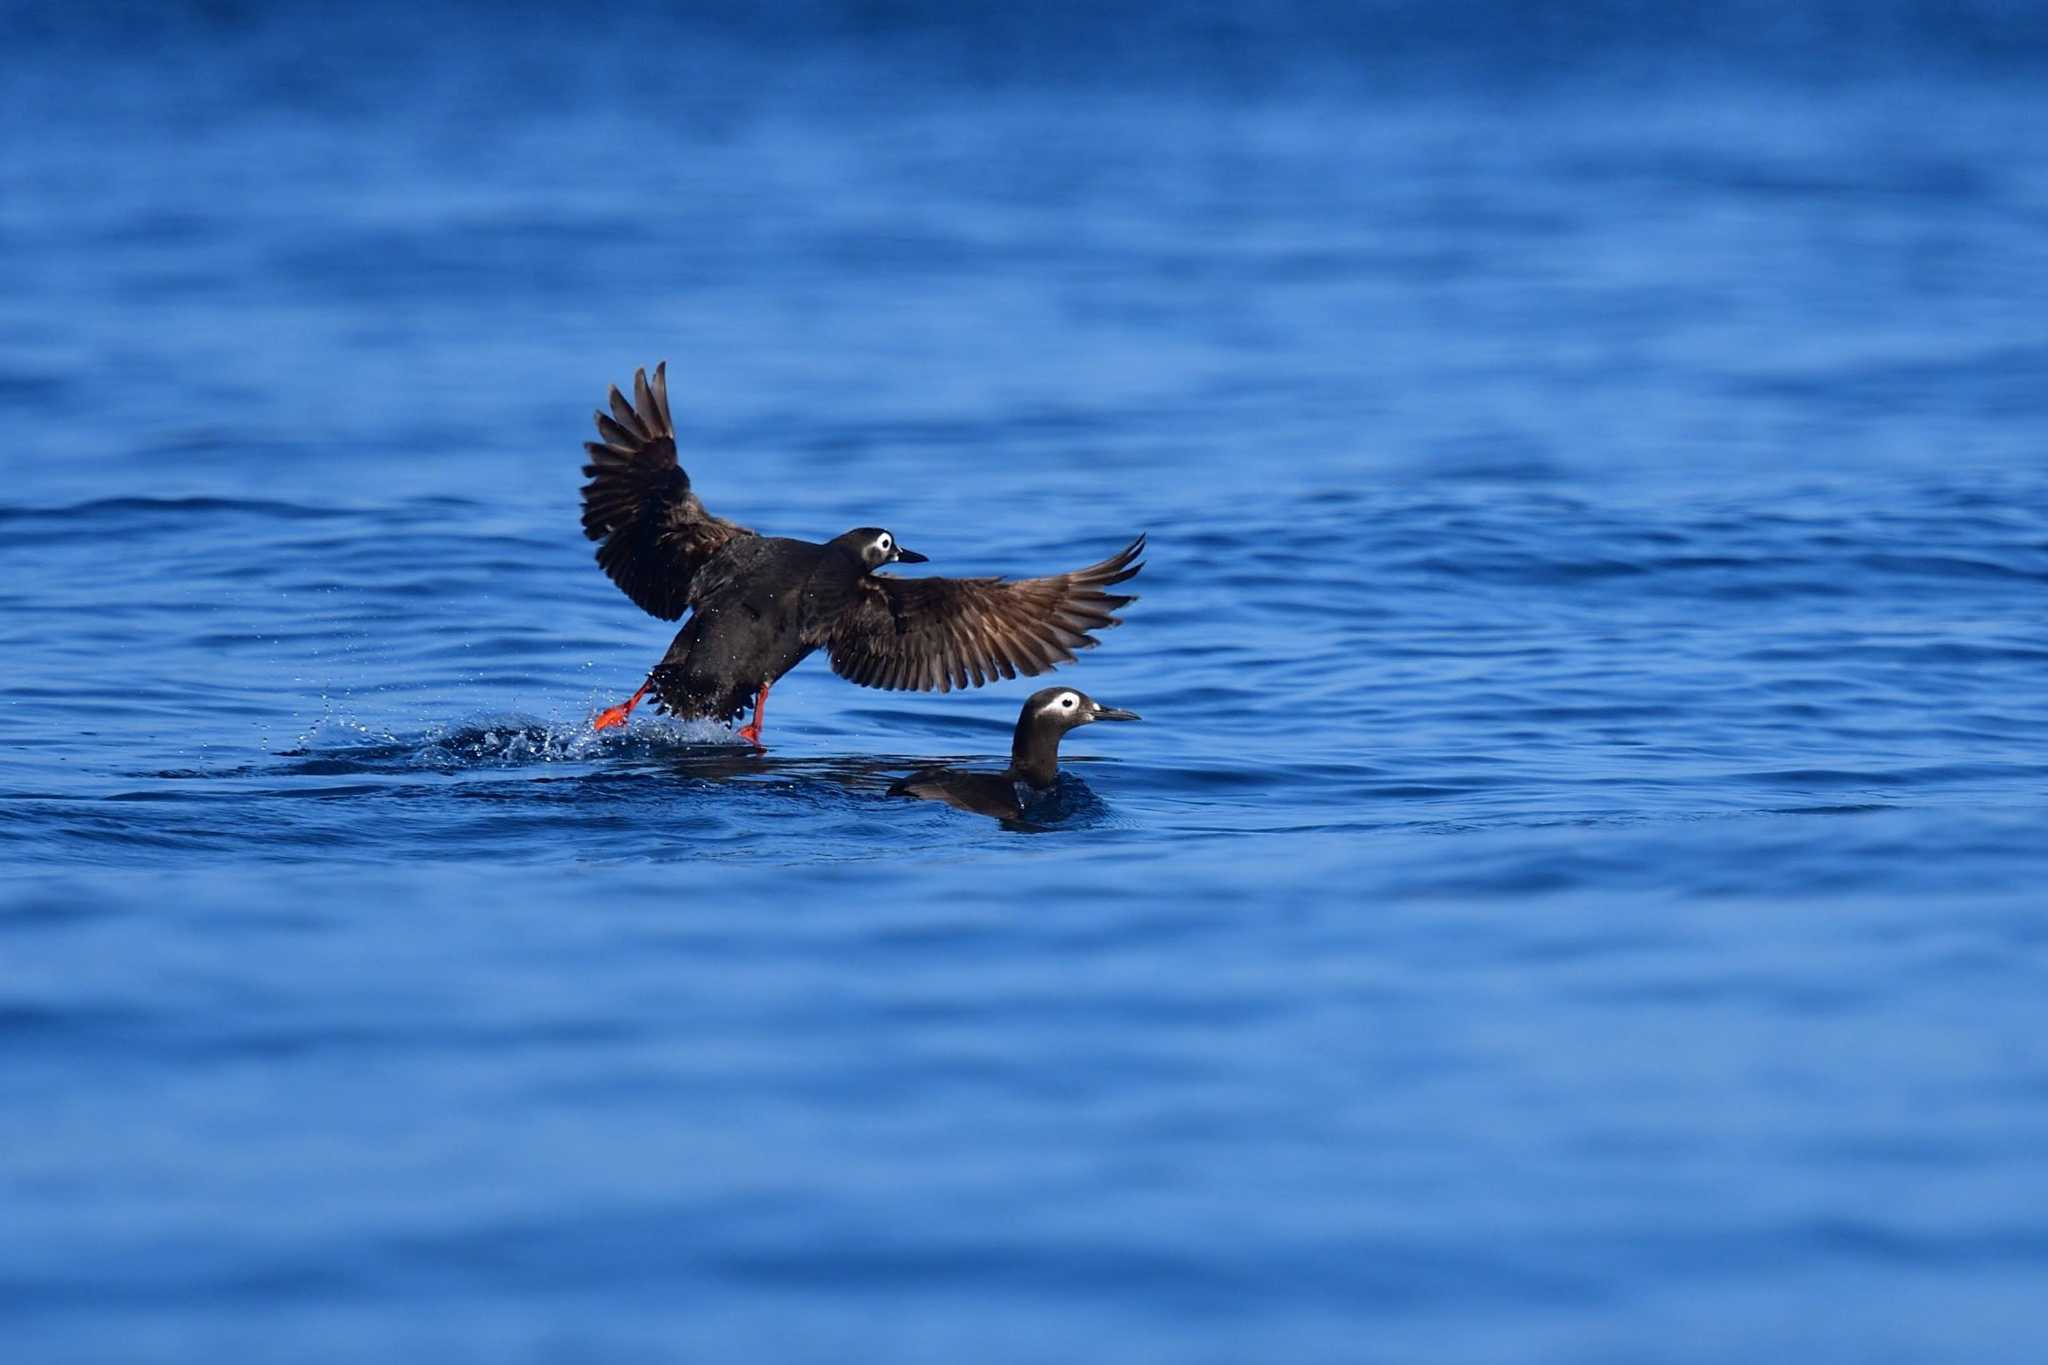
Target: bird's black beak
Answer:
pixel 1115 713
pixel 904 556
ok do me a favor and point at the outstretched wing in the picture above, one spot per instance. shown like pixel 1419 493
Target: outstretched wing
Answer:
pixel 925 634
pixel 655 532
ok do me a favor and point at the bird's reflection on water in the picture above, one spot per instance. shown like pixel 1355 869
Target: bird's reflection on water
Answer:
pixel 871 777
pixel 478 750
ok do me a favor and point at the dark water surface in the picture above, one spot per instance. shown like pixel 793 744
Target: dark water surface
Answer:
pixel 1576 893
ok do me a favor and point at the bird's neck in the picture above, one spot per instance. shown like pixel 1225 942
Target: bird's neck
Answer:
pixel 1035 753
pixel 847 559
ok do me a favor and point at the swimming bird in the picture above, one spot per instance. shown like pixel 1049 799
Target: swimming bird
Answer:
pixel 759 605
pixel 1034 758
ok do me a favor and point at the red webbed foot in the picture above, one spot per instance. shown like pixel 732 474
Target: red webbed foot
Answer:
pixel 616 715
pixel 751 731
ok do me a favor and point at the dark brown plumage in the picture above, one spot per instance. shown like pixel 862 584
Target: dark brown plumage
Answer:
pixel 1034 768
pixel 759 605
pixel 926 634
pixel 656 532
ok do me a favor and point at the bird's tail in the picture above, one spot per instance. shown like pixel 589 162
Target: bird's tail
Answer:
pixel 696 694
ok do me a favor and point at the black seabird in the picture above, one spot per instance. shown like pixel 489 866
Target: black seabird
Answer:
pixel 1034 758
pixel 760 604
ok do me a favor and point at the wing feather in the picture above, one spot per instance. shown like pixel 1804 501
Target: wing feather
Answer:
pixel 936 634
pixel 653 532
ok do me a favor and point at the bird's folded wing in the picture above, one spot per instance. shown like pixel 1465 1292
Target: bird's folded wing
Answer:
pixel 926 634
pixel 654 533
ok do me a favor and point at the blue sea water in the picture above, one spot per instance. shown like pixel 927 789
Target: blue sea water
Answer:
pixel 1576 894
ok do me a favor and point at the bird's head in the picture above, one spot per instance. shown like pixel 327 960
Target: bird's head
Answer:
pixel 1063 708
pixel 874 547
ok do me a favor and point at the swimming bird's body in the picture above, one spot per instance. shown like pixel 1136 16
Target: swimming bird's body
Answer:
pixel 759 605
pixel 1034 768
